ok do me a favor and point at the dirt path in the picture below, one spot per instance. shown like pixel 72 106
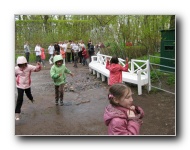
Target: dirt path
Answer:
pixel 82 113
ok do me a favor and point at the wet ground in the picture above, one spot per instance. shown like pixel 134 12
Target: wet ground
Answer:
pixel 82 112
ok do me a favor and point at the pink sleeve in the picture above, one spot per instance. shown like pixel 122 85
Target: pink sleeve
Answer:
pixel 125 68
pixel 35 68
pixel 16 70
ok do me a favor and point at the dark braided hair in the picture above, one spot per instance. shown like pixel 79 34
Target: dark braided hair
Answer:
pixel 114 60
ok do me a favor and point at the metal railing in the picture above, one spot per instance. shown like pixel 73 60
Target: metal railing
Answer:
pixel 152 65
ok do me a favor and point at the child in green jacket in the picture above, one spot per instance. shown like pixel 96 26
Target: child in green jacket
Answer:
pixel 58 74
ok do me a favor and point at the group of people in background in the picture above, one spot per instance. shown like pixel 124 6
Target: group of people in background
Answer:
pixel 40 53
pixel 71 52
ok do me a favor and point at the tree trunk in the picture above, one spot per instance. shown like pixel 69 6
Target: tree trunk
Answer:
pixel 172 22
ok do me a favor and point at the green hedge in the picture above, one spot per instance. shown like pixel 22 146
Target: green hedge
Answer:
pixel 131 52
pixel 32 57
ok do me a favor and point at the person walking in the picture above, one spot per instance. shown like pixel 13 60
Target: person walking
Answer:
pixel 58 74
pixel 62 53
pixel 27 51
pixel 68 51
pixel 38 53
pixel 89 43
pixel 56 48
pixel 81 45
pixel 51 52
pixel 23 82
pixel 91 51
pixel 85 55
pixel 43 56
pixel 121 116
pixel 75 50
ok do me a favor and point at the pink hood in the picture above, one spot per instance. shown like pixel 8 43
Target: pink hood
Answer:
pixel 21 60
pixel 118 122
pixel 112 112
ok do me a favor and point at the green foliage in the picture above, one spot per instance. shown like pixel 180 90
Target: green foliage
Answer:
pixel 32 57
pixel 132 52
pixel 35 31
pixel 154 90
pixel 154 75
pixel 113 30
pixel 145 27
pixel 135 51
pixel 155 59
pixel 171 79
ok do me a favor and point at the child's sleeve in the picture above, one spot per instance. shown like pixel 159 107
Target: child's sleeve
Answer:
pixel 34 68
pixel 107 65
pixel 16 72
pixel 67 70
pixel 53 73
pixel 124 68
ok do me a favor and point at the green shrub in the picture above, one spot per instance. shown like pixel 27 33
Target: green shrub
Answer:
pixel 171 79
pixel 131 52
pixel 154 75
pixel 32 57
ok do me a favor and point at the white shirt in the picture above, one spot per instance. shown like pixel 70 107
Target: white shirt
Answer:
pixel 60 45
pixel 64 46
pixel 75 48
pixel 38 50
pixel 51 49
pixel 26 48
pixel 81 45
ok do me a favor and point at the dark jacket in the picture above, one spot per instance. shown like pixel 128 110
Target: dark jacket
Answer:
pixel 57 48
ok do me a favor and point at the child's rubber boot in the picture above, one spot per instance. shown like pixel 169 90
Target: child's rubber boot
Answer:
pixel 61 102
pixel 56 102
pixel 32 100
pixel 17 116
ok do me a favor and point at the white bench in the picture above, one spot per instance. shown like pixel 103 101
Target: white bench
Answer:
pixel 138 72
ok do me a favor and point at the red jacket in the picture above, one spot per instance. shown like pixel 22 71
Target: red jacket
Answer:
pixel 85 53
pixel 115 72
pixel 62 53
pixel 43 56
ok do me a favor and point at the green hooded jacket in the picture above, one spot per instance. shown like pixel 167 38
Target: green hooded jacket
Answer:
pixel 55 71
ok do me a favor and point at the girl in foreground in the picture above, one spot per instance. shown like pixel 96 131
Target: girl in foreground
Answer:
pixel 121 116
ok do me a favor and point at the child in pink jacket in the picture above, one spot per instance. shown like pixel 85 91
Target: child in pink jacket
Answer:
pixel 43 56
pixel 115 70
pixel 23 81
pixel 121 116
